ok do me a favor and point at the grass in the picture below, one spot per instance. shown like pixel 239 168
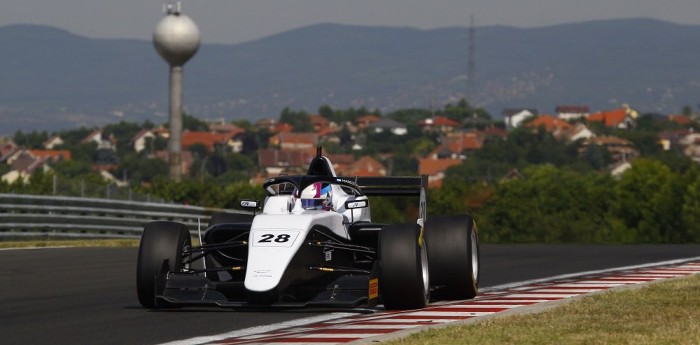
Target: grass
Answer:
pixel 70 243
pixel 666 312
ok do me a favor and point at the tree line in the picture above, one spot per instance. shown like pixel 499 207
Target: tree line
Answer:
pixel 528 187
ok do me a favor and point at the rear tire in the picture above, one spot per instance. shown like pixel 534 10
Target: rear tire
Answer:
pixel 403 274
pixel 160 241
pixel 453 244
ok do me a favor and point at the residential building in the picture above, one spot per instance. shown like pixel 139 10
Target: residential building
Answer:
pixel 458 145
pixel 572 112
pixel 622 118
pixel 365 166
pixel 294 141
pixel 366 120
pixel 142 138
pixel 103 143
pixel 53 142
pixel 276 162
pixel 620 149
pixel 435 169
pixel 514 117
pixel 388 125
pixel 440 124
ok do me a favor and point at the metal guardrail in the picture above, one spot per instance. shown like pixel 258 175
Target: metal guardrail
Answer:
pixel 59 216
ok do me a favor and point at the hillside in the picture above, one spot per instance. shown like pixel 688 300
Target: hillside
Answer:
pixel 51 78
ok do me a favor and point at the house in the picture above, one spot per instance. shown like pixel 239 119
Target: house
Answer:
pixel 364 121
pixel 458 145
pixel 560 129
pixel 577 131
pixel 572 112
pixel 266 124
pixel 294 141
pixel 33 155
pixel 276 162
pixel 52 142
pixel 514 117
pixel 328 135
pixel 440 124
pixel 161 132
pixel 142 138
pixel 103 143
pixel 7 147
pixel 692 150
pixel 210 140
pixel 622 118
pixel 319 122
pixel 620 149
pixel 676 138
pixel 682 120
pixel 365 166
pixel 435 169
pixel 493 131
pixel 282 128
pixel 222 127
pixel 341 162
pixel 231 136
pixel 388 125
pixel 23 162
pixel 550 124
pixel 227 142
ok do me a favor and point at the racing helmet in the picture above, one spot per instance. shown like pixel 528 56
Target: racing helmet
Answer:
pixel 317 196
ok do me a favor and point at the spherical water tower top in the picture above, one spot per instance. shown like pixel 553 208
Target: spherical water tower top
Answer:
pixel 176 37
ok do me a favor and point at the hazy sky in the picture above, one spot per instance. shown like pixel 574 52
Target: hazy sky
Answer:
pixel 232 21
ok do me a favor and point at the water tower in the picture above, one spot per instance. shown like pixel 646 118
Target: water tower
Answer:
pixel 176 38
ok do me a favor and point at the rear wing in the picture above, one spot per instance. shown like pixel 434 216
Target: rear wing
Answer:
pixel 370 186
pixel 391 185
pixel 396 186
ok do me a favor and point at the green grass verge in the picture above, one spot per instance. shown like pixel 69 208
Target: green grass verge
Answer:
pixel 666 312
pixel 70 243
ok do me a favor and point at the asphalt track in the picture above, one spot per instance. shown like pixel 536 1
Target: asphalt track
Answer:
pixel 87 295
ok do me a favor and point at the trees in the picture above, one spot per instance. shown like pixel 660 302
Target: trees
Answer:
pixel 691 210
pixel 32 140
pixel 647 201
pixel 298 119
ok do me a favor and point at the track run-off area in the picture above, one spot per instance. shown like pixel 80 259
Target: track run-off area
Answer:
pixel 383 325
pixel 88 295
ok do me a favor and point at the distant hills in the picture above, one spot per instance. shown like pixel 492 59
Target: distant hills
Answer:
pixel 51 78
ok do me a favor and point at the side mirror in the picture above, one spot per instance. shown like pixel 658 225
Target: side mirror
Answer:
pixel 353 204
pixel 250 205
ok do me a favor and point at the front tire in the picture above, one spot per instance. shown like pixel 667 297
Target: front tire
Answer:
pixel 453 244
pixel 160 241
pixel 403 276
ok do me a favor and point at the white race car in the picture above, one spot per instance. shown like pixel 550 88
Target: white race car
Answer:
pixel 313 244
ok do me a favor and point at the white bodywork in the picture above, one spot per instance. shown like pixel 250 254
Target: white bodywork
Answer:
pixel 280 230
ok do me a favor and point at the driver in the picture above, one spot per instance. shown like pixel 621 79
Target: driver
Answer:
pixel 317 196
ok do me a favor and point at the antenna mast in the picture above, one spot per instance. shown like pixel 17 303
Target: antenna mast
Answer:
pixel 470 65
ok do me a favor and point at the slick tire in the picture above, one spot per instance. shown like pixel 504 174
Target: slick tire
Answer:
pixel 403 276
pixel 160 241
pixel 453 244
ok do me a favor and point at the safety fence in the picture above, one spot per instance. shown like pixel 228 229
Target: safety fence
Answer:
pixel 24 215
